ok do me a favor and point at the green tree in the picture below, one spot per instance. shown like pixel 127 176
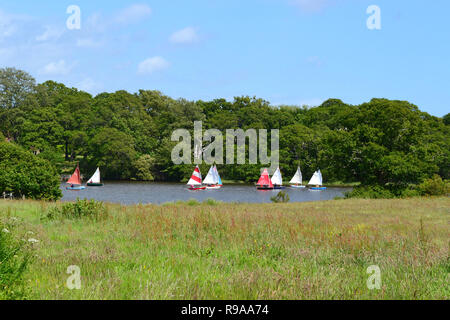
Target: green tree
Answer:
pixel 15 88
pixel 25 174
pixel 144 166
pixel 446 119
pixel 114 152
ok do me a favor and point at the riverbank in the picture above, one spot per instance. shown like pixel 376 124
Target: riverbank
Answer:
pixel 311 250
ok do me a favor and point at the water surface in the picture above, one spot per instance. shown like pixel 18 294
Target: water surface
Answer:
pixel 146 192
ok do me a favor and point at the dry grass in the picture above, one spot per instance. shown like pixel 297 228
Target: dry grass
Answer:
pixel 317 250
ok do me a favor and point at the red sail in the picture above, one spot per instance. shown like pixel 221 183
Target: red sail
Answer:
pixel 75 178
pixel 264 180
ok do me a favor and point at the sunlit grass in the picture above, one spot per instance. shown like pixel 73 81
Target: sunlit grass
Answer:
pixel 317 250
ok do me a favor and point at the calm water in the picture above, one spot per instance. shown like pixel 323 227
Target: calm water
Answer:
pixel 140 192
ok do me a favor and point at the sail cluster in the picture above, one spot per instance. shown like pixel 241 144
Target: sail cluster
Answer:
pixel 213 180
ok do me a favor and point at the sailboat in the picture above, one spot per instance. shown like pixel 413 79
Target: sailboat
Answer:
pixel 277 180
pixel 316 180
pixel 212 180
pixel 296 181
pixel 195 182
pixel 75 180
pixel 264 182
pixel 94 181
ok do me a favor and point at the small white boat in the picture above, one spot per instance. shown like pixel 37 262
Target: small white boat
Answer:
pixel 277 180
pixel 212 179
pixel 94 181
pixel 297 180
pixel 316 181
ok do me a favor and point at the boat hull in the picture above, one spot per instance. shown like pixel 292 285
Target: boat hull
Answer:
pixel 264 188
pixel 76 188
pixel 196 188
pixel 215 187
pixel 95 184
pixel 279 187
pixel 318 188
pixel 298 187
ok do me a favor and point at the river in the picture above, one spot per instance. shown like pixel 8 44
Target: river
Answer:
pixel 144 192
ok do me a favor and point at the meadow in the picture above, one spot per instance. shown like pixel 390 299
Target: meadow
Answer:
pixel 315 250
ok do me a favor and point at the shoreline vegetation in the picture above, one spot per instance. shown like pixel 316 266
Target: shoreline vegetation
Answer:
pixel 188 250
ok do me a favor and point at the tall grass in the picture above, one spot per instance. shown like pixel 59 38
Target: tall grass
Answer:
pixel 14 259
pixel 79 209
pixel 318 250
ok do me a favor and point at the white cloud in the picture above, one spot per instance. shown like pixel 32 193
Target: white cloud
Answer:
pixel 311 6
pixel 153 64
pixel 186 35
pixel 56 68
pixel 134 13
pixel 50 33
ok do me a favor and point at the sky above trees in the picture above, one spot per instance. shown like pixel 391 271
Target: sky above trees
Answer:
pixel 286 51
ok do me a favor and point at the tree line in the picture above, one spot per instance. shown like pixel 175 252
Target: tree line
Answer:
pixel 128 135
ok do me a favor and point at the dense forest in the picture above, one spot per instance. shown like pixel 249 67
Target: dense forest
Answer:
pixel 381 142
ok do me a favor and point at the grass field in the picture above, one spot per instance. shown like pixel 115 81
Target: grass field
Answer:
pixel 316 250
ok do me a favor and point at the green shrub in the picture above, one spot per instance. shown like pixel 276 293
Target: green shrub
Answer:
pixel 79 209
pixel 212 202
pixel 192 202
pixel 430 187
pixel 25 174
pixel 370 192
pixel 409 193
pixel 434 187
pixel 14 259
pixel 281 197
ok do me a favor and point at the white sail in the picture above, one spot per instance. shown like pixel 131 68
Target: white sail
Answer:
pixel 276 178
pixel 297 179
pixel 316 179
pixel 217 175
pixel 95 177
pixel 196 178
pixel 211 177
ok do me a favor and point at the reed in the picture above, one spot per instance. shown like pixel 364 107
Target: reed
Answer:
pixel 316 250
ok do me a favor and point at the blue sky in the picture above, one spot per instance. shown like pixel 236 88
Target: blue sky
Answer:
pixel 286 51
